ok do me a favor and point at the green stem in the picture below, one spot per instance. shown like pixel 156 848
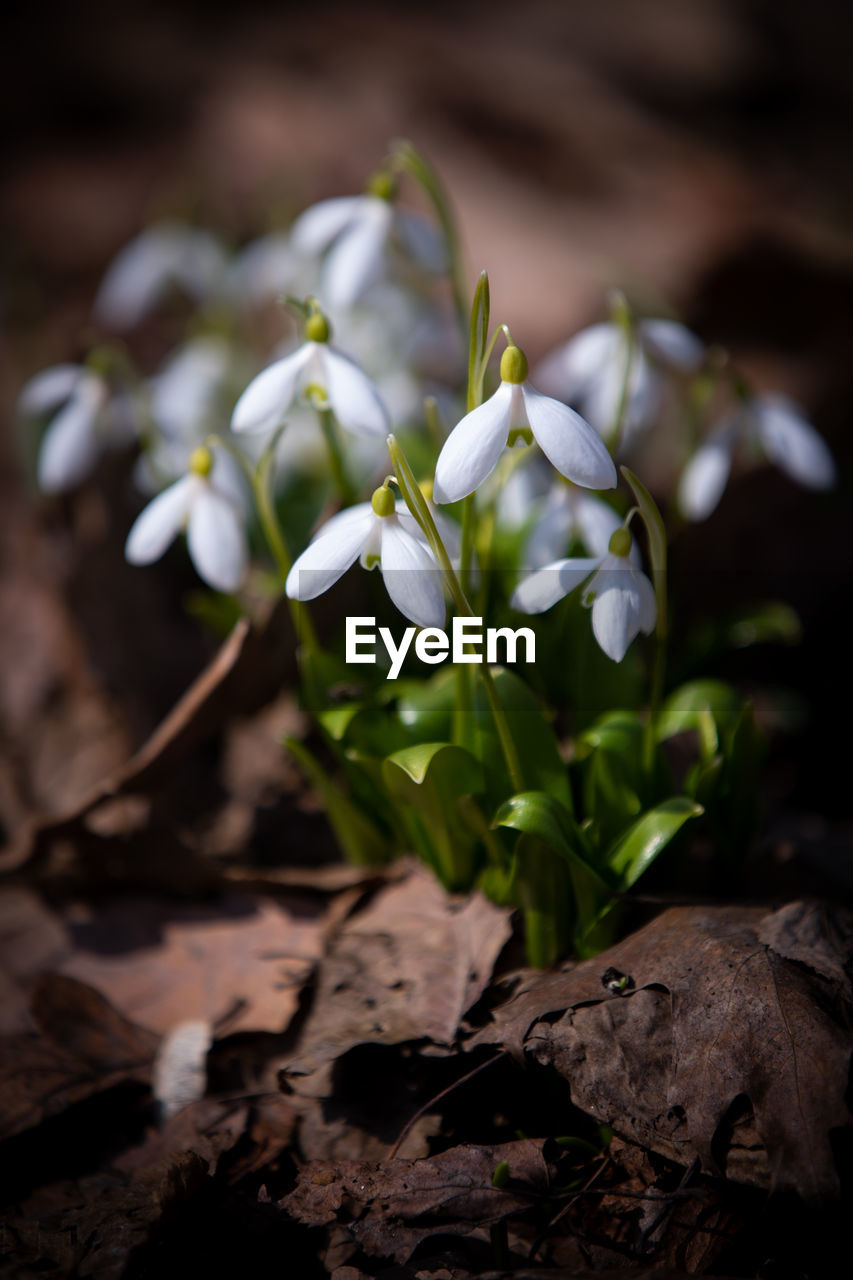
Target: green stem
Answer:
pixel 407 158
pixel 419 507
pixel 467 544
pixel 346 493
pixel 262 488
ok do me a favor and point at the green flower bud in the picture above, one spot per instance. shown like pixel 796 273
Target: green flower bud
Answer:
pixel 317 328
pixel 514 365
pixel 201 461
pixel 382 184
pixel 620 543
pixel 500 1177
pixel 383 501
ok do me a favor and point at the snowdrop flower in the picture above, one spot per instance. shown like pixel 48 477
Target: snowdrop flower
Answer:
pixel 770 423
pixel 356 234
pixel 320 373
pixel 205 506
pixel 85 421
pixel 589 371
pixel 374 533
pixel 264 269
pixel 572 515
pixel 621 597
pixel 164 255
pixel 517 413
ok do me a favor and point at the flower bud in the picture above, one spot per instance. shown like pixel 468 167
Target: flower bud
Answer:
pixel 382 184
pixel 620 543
pixel 317 328
pixel 201 461
pixel 382 501
pixel 513 365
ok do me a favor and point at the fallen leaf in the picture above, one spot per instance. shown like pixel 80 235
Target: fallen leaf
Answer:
pixel 714 1015
pixel 389 1208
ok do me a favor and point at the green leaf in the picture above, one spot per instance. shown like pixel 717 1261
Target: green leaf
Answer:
pixel 365 727
pixel 612 772
pixel 426 781
pixel 636 850
pixel 361 841
pixel 425 707
pixel 685 707
pixel 531 732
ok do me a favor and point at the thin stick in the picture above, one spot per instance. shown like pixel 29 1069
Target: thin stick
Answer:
pixel 429 1105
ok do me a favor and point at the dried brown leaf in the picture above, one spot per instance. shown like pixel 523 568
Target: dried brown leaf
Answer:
pixel 715 1015
pixel 391 1207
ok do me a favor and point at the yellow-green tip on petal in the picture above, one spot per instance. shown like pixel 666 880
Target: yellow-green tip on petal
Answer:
pixel 201 461
pixel 317 327
pixel 620 543
pixel 514 365
pixel 382 184
pixel 383 501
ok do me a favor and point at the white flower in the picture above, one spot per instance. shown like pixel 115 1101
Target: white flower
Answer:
pixel 325 373
pixel 373 533
pixel 85 421
pixel 572 515
pixel 589 371
pixel 518 412
pixel 356 233
pixel 187 391
pixel 621 597
pixel 163 256
pixel 204 504
pixel 770 423
pixel 263 270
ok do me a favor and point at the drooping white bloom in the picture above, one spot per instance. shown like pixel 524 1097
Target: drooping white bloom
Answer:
pixel 85 421
pixel 163 256
pixel 589 371
pixel 776 427
pixel 265 269
pixel 189 389
pixel 373 533
pixel 318 369
pixel 206 508
pixel 518 413
pixel 620 595
pixel 356 234
pixel 571 515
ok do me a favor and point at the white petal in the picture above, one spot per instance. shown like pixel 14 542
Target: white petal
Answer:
pixel 411 576
pixel 472 449
pixel 422 240
pixel 216 539
pixel 334 549
pixel 70 445
pixel 568 371
pixel 569 443
pixel 648 607
pixel 184 394
pixel 671 344
pixel 355 260
pixel 355 401
pixel 704 478
pixel 542 589
pixel 138 274
pixel 266 400
pixel 318 226
pixel 448 530
pixel 792 442
pixel 228 479
pixel 49 388
pixel 552 531
pixel 264 269
pixel 615 621
pixel 602 399
pixel 596 523
pixel 160 522
pixel 202 264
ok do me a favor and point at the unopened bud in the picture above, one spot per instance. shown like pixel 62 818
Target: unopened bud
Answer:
pixel 383 502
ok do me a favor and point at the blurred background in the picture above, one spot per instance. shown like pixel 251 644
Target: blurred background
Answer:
pixel 694 153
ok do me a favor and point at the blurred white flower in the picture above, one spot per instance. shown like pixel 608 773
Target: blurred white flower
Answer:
pixel 356 234
pixel 203 503
pixel 570 515
pixel 318 370
pixel 163 256
pixel 771 424
pixel 620 595
pixel 265 269
pixel 517 413
pixel 373 533
pixel 85 420
pixel 589 371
